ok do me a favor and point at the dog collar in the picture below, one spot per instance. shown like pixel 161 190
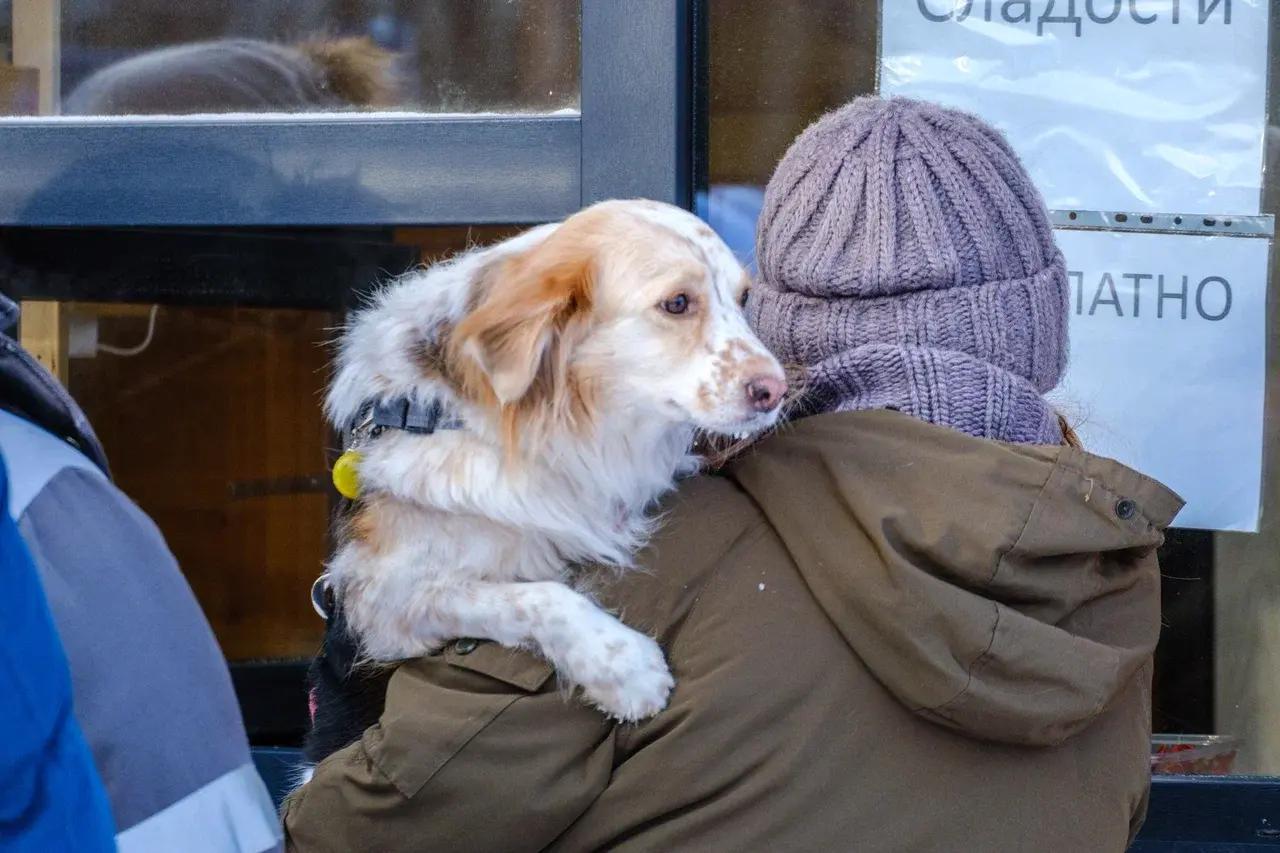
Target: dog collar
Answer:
pixel 399 413
pixel 410 415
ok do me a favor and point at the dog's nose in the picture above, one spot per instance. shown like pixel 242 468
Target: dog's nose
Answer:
pixel 764 393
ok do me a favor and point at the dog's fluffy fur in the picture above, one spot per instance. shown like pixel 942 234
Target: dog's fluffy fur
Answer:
pixel 581 386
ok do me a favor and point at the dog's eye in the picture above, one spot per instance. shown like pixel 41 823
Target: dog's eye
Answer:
pixel 742 299
pixel 677 304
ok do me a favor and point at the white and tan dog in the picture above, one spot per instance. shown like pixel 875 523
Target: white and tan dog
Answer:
pixel 577 362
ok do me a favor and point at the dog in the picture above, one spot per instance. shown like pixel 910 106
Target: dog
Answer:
pixel 516 411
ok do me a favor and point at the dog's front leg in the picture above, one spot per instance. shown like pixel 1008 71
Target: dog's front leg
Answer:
pixel 620 670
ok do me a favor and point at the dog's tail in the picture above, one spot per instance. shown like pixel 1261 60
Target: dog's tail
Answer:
pixel 356 70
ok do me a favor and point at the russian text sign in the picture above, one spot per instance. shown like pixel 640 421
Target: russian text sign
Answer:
pixel 1167 363
pixel 1117 105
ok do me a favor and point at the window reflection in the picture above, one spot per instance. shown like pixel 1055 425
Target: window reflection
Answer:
pixel 147 57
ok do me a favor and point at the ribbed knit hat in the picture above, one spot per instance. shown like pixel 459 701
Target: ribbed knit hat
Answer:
pixel 906 260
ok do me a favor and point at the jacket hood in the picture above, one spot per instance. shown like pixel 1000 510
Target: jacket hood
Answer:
pixel 1007 591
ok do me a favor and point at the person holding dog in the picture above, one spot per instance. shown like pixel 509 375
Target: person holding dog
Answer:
pixel 916 618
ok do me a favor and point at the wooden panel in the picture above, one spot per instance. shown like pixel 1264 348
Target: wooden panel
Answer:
pixel 43 333
pixel 111 309
pixel 223 401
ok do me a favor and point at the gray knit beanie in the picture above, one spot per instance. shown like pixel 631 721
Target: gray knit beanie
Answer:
pixel 906 261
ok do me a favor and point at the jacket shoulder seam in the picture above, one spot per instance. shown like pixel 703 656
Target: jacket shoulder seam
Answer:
pixel 1001 557
pixel 973 667
pixel 1003 554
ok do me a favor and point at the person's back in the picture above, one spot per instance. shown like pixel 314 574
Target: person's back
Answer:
pixel 152 691
pixel 912 640
pixel 886 636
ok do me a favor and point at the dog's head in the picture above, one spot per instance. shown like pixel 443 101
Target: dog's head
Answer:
pixel 629 309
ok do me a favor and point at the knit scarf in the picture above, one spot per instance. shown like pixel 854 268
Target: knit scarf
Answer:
pixel 943 387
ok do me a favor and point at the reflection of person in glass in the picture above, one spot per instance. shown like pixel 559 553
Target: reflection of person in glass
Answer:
pixel 241 75
pixel 918 618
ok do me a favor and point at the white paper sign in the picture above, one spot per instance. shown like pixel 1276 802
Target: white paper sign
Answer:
pixel 1167 363
pixel 1116 105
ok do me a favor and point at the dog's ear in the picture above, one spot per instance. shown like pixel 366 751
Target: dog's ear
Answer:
pixel 526 306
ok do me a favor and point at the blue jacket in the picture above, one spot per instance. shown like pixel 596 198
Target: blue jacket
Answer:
pixel 51 798
pixel 152 692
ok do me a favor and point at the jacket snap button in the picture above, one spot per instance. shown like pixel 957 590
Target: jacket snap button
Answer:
pixel 1126 509
pixel 465 646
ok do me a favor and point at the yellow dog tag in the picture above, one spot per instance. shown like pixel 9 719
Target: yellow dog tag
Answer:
pixel 346 475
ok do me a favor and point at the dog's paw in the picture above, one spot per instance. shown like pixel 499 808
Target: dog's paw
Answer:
pixel 624 674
